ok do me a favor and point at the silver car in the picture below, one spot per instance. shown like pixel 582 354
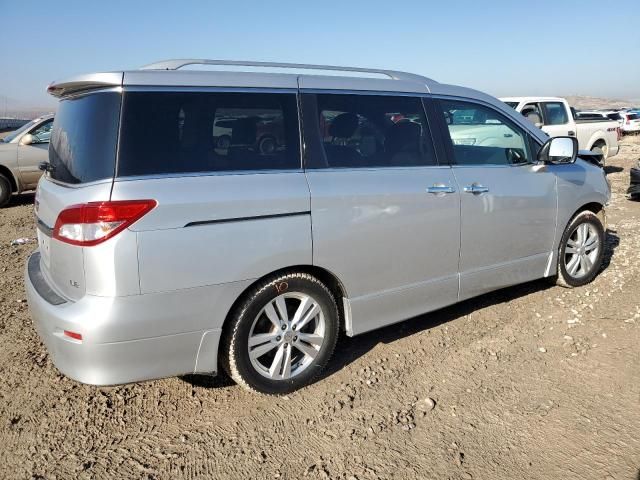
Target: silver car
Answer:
pixel 21 153
pixel 164 251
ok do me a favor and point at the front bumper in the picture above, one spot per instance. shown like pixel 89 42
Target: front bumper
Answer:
pixel 634 182
pixel 97 359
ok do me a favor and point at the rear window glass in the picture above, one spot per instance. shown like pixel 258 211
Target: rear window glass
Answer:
pixel 83 139
pixel 182 132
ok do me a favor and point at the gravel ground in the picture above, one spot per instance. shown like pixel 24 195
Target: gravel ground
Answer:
pixel 529 382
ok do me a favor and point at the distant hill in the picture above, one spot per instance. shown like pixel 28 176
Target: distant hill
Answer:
pixel 597 103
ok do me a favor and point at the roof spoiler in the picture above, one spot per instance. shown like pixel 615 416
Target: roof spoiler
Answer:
pixel 84 83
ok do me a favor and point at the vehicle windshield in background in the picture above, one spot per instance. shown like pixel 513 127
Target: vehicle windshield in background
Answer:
pixel 512 104
pixel 83 142
pixel 633 116
pixel 19 131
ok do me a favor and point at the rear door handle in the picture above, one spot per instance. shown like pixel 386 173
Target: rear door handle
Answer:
pixel 476 188
pixel 440 188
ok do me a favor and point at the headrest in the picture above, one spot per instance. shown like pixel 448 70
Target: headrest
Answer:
pixel 344 125
pixel 403 136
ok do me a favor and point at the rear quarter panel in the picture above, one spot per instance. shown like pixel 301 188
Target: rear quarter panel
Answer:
pixel 247 225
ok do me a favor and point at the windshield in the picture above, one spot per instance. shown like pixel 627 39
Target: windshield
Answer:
pixel 83 141
pixel 512 104
pixel 18 132
pixel 633 116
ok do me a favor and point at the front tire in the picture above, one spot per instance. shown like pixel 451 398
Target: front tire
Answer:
pixel 581 250
pixel 282 335
pixel 5 191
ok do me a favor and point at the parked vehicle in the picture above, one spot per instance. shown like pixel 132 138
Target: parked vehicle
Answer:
pixel 630 122
pixel 20 154
pixel 634 182
pixel 614 115
pixel 555 117
pixel 387 197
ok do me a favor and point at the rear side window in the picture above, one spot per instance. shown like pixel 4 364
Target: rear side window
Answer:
pixel 182 132
pixel 482 136
pixel 374 131
pixel 83 140
pixel 555 113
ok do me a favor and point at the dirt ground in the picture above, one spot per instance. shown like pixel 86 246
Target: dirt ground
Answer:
pixel 529 382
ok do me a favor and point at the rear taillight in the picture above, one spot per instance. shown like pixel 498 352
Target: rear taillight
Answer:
pixel 92 223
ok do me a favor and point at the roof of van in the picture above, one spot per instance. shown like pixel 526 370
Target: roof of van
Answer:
pixel 170 73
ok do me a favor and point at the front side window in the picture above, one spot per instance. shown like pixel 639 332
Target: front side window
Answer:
pixel 182 132
pixel 555 113
pixel 374 131
pixel 482 136
pixel 42 133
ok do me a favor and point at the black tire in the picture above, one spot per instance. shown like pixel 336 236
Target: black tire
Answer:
pixel 5 191
pixel 600 148
pixel 583 275
pixel 234 351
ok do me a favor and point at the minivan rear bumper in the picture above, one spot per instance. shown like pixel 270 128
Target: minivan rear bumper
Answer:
pixel 97 362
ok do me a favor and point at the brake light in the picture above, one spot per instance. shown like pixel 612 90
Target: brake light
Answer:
pixel 74 335
pixel 92 223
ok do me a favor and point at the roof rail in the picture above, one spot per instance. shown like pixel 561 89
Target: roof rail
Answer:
pixel 176 64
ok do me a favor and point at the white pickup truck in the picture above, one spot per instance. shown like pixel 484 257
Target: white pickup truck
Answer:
pixel 555 117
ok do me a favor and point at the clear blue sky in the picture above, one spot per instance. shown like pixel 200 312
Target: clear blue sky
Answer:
pixel 555 47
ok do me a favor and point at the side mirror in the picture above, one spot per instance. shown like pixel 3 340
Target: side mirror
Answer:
pixel 27 139
pixel 559 150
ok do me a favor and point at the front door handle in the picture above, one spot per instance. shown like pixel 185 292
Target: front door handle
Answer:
pixel 571 133
pixel 476 188
pixel 440 188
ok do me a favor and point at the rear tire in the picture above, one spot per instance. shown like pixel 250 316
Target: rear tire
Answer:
pixel 281 337
pixel 581 250
pixel 602 149
pixel 5 191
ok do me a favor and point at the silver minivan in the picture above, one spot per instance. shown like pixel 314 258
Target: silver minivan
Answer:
pixel 191 220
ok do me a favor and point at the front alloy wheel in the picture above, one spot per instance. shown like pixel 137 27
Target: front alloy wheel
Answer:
pixel 581 250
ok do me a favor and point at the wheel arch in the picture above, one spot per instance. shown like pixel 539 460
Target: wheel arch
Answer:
pixel 325 276
pixel 596 207
pixel 597 140
pixel 5 171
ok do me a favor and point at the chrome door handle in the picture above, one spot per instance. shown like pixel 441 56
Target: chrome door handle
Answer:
pixel 476 188
pixel 439 188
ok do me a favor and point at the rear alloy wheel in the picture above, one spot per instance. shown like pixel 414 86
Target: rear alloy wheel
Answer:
pixel 581 250
pixel 5 190
pixel 282 336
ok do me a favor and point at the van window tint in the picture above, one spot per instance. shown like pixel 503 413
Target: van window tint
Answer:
pixel 555 113
pixel 374 131
pixel 181 132
pixel 482 136
pixel 83 140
